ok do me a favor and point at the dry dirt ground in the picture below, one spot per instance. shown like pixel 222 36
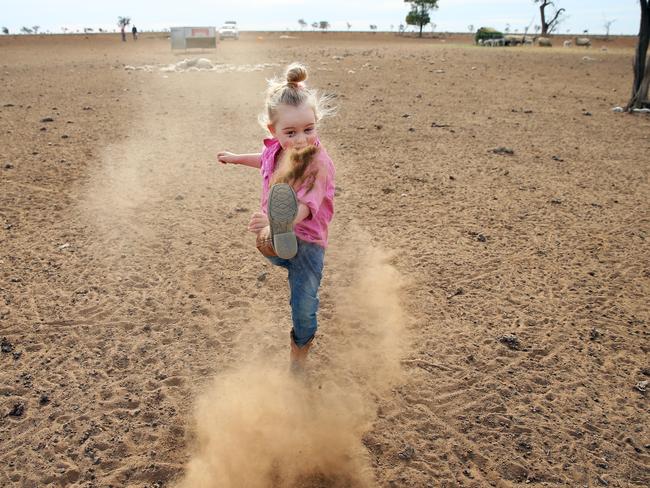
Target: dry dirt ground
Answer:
pixel 484 310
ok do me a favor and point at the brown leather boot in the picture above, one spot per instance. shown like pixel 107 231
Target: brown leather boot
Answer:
pixel 299 354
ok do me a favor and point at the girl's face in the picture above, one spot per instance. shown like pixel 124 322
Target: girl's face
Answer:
pixel 294 127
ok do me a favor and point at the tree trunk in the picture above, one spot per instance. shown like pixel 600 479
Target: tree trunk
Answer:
pixel 548 27
pixel 641 83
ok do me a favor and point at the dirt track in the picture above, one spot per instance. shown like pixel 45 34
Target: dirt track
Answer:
pixel 517 284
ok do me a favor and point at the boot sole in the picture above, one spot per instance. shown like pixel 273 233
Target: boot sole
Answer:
pixel 282 210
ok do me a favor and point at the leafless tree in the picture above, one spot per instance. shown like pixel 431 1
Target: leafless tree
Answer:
pixel 526 29
pixel 548 26
pixel 608 25
pixel 35 28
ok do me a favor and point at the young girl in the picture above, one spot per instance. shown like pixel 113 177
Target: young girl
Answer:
pixel 297 202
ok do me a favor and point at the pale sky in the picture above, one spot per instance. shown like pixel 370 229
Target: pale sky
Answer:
pixel 452 16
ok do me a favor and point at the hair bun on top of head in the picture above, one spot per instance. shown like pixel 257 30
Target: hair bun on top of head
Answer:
pixel 292 91
pixel 296 73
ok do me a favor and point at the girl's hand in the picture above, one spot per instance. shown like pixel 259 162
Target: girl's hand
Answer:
pixel 258 222
pixel 225 157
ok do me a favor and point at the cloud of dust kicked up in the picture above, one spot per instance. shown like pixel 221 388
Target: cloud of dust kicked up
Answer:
pixel 258 426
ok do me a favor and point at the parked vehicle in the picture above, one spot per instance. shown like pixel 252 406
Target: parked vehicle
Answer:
pixel 229 30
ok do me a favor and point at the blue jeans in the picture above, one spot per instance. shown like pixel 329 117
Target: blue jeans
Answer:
pixel 305 272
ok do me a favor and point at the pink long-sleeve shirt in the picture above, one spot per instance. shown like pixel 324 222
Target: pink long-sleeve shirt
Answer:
pixel 320 199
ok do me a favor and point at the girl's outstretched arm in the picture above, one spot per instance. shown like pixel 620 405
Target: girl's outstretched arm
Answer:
pixel 253 160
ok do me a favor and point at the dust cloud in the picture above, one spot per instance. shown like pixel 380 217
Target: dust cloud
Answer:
pixel 256 425
pixel 260 426
pixel 123 196
pixel 139 195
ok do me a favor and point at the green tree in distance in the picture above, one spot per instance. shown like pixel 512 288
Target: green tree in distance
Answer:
pixel 122 22
pixel 419 14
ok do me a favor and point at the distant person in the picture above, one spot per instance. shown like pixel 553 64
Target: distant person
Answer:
pixel 297 201
pixel 134 31
pixel 123 33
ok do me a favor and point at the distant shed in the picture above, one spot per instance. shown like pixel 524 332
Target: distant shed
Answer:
pixel 194 37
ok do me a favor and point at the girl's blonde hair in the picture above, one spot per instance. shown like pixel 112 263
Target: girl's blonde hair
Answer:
pixel 292 91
